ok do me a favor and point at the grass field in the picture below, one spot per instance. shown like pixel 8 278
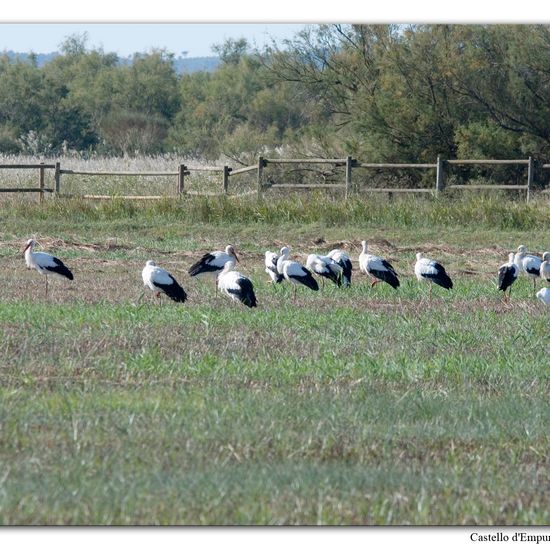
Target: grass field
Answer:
pixel 358 406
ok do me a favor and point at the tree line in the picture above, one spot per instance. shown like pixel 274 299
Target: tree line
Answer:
pixel 381 93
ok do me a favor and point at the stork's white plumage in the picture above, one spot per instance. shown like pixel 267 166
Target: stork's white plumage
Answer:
pixel 507 275
pixel 544 295
pixel 378 268
pixel 160 281
pixel 344 261
pixel 545 267
pixel 325 267
pixel 271 267
pixel 235 285
pixel 431 271
pixel 529 264
pixel 295 272
pixel 213 263
pixel 45 264
pixel 518 256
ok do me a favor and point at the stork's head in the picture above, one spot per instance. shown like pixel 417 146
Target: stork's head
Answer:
pixel 419 256
pixel 150 263
pixel 29 244
pixel 231 251
pixel 364 244
pixel 285 251
pixel 522 249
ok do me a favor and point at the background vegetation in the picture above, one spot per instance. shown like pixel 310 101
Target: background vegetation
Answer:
pixel 382 93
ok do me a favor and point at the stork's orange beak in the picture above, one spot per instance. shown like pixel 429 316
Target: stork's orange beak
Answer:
pixel 25 249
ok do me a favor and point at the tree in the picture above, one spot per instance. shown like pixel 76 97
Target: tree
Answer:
pixel 231 51
pixel 504 72
pixel 21 106
pixel 149 85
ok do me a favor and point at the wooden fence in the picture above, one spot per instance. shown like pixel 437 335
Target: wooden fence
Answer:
pixel 41 189
pixel 347 185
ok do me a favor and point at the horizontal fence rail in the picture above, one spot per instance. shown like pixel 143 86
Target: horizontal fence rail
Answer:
pixel 306 161
pixel 119 173
pixel 120 197
pixel 207 169
pixel 262 184
pixel 25 166
pixel 473 187
pixel 25 190
pixel 396 190
pixel 488 161
pixel 307 185
pixel 243 170
pixel 386 165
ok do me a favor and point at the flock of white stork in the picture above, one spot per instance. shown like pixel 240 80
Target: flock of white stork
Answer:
pixel 336 266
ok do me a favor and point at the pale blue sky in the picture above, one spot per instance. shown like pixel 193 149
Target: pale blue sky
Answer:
pixel 125 28
pixel 127 38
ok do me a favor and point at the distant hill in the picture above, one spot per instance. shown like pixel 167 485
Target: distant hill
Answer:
pixel 194 64
pixel 181 64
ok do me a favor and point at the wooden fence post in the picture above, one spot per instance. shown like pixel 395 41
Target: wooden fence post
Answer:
pixel 57 178
pixel 41 182
pixel 181 179
pixel 226 171
pixel 439 176
pixel 530 177
pixel 261 164
pixel 349 164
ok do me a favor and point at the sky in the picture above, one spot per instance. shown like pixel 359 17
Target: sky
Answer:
pixel 194 26
pixel 127 38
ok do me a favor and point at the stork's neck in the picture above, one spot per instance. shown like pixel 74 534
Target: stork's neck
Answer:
pixel 29 256
pixel 228 266
pixel 282 258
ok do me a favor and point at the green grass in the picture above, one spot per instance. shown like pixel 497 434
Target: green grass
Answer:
pixel 358 406
pixel 488 211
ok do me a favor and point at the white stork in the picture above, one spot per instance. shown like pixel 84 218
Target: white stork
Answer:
pixel 343 260
pixel 295 272
pixel 271 266
pixel 325 267
pixel 213 263
pixel 235 285
pixel 46 264
pixel 159 280
pixel 545 267
pixel 544 295
pixel 529 263
pixel 431 271
pixel 378 268
pixel 507 275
